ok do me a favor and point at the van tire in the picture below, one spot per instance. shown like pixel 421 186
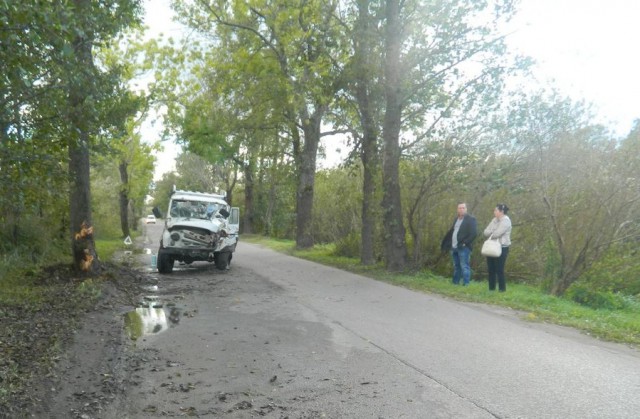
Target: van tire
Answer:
pixel 165 262
pixel 222 260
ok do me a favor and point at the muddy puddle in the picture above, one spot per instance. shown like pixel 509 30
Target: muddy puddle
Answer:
pixel 152 316
pixel 153 259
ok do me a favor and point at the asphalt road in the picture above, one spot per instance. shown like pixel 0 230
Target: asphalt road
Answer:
pixel 280 337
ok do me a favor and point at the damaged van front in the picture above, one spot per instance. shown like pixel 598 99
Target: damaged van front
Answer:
pixel 198 227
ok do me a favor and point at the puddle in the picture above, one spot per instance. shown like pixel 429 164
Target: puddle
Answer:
pixel 153 259
pixel 152 317
pixel 144 321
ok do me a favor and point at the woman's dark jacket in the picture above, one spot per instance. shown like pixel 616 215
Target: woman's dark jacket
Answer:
pixel 466 234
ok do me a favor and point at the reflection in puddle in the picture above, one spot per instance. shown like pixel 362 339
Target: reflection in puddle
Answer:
pixel 149 319
pixel 154 259
pixel 145 321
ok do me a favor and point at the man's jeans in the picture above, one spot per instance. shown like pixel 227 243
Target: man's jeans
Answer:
pixel 461 268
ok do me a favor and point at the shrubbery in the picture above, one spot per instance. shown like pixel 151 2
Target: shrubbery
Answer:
pixel 348 246
pixel 617 271
pixel 606 300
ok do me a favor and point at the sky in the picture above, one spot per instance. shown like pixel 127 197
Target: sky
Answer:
pixel 587 49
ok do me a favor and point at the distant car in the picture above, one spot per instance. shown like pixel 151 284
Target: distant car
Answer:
pixel 151 219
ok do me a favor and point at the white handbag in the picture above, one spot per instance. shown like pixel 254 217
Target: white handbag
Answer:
pixel 491 248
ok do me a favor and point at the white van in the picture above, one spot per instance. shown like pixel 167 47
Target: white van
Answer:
pixel 198 227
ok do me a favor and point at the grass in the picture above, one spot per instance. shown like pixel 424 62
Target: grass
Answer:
pixel 622 326
pixel 107 247
pixel 22 267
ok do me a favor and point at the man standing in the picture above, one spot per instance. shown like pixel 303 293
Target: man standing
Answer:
pixel 459 240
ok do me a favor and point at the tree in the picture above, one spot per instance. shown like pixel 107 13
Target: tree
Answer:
pixel 303 41
pixel 121 141
pixel 56 92
pixel 163 190
pixel 32 160
pixel 429 47
pixel 394 239
pixel 135 165
pixel 585 189
pixel 428 173
pixel 85 84
pixel 197 173
pixel 364 81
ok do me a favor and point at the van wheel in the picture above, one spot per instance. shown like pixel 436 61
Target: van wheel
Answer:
pixel 222 260
pixel 165 263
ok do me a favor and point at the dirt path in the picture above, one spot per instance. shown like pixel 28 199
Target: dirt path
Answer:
pixel 92 372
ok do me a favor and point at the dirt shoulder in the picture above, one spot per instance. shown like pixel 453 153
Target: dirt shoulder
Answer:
pixel 65 357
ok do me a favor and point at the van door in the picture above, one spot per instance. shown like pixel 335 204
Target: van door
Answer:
pixel 234 220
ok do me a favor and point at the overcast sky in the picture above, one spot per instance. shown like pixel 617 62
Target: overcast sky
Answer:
pixel 588 49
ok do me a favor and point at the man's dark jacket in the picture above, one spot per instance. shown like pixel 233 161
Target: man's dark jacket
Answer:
pixel 466 234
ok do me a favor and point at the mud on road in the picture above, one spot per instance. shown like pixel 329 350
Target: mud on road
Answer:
pixel 279 337
pixel 208 343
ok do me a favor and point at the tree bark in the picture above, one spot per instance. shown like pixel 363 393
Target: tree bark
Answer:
pixel 306 162
pixel 83 245
pixel 85 257
pixel 247 223
pixel 369 156
pixel 124 199
pixel 394 240
pixel 370 172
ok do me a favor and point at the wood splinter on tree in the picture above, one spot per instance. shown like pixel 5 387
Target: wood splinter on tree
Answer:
pixel 87 259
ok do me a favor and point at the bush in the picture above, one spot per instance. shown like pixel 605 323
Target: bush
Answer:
pixel 596 299
pixel 617 271
pixel 348 246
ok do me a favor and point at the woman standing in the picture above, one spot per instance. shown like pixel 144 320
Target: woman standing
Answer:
pixel 499 228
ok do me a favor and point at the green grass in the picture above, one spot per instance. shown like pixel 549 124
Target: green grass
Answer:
pixel 106 248
pixel 621 325
pixel 22 267
pixel 20 270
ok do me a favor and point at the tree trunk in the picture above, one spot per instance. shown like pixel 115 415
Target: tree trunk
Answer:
pixel 85 257
pixel 124 199
pixel 394 240
pixel 230 184
pixel 370 171
pixel 562 283
pixel 415 234
pixel 247 223
pixel 83 245
pixel 306 180
pixel 370 161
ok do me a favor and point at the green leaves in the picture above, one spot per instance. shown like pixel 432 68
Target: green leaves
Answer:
pixel 50 92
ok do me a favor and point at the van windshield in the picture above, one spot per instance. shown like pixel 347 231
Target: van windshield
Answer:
pixel 193 209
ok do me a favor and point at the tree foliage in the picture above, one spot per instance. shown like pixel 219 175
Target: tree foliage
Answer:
pixel 56 99
pixel 418 86
pixel 290 51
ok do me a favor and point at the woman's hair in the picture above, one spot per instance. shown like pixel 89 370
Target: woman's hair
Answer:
pixel 503 208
